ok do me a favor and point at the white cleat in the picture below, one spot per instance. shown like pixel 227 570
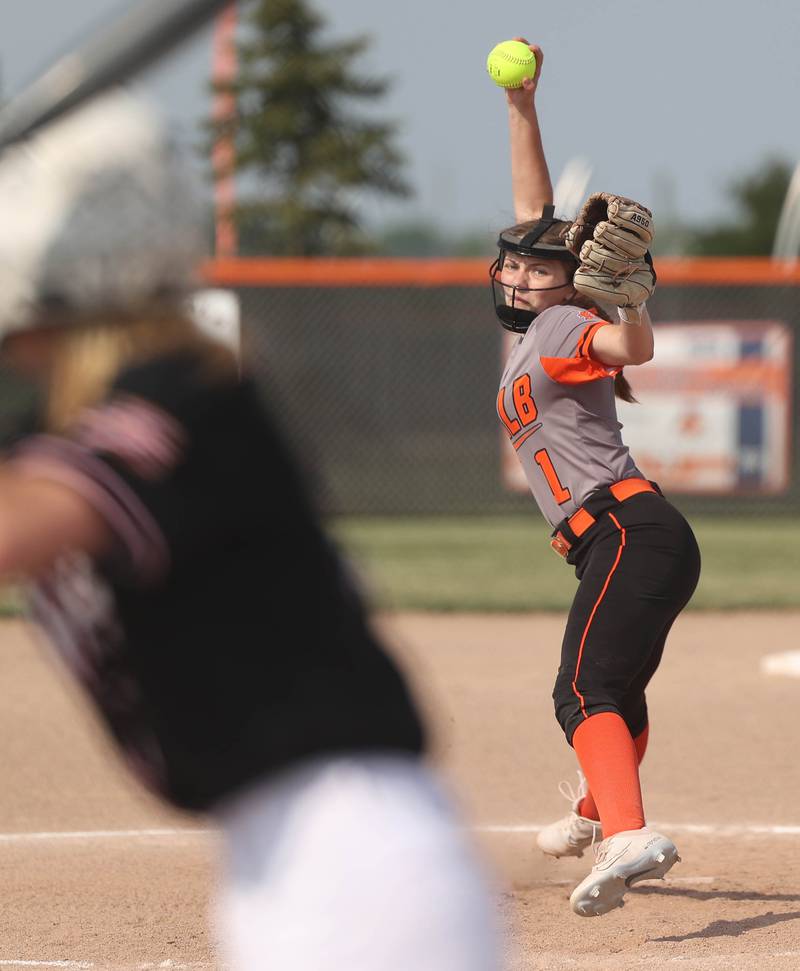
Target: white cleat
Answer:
pixel 620 861
pixel 571 835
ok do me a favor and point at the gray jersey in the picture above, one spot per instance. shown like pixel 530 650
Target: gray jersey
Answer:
pixel 557 405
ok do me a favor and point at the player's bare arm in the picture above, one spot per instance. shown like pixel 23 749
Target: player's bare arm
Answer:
pixel 628 342
pixel 530 177
pixel 41 521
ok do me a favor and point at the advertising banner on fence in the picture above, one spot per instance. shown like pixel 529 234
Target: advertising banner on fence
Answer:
pixel 714 412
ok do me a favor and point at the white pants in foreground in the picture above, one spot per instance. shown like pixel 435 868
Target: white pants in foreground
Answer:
pixel 352 864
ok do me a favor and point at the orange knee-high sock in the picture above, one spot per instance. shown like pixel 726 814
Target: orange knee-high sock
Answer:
pixel 609 760
pixel 641 742
pixel 588 807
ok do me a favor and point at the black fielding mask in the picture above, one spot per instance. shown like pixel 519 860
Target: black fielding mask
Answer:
pixel 525 240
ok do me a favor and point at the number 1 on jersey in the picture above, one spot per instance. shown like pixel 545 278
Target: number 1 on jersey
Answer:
pixel 524 413
pixel 560 493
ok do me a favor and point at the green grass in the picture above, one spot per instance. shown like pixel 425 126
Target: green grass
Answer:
pixel 11 601
pixel 505 563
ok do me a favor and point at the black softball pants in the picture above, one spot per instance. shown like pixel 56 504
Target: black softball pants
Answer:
pixel 638 567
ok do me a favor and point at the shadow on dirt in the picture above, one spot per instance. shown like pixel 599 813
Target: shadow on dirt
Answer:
pixel 715 894
pixel 730 928
pixel 724 928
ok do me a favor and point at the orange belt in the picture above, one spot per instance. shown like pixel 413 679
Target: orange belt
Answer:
pixel 582 520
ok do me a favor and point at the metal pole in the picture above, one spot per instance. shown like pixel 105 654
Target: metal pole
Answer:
pixel 223 156
pixel 787 236
pixel 571 187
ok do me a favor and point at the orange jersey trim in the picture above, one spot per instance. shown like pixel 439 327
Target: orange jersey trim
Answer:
pixel 585 341
pixel 524 438
pixel 576 370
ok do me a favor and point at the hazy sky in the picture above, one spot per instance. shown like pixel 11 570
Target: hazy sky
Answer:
pixel 668 99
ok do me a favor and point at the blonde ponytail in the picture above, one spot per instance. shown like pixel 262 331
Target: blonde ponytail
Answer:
pixel 91 353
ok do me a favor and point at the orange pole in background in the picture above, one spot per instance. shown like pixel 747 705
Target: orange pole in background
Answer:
pixel 224 66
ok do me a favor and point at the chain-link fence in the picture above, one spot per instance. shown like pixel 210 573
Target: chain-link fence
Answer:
pixel 388 391
pixel 387 386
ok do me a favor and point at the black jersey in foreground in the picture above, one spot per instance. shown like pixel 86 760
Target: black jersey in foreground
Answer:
pixel 223 639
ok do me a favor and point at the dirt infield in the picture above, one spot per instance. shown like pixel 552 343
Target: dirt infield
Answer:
pixel 96 876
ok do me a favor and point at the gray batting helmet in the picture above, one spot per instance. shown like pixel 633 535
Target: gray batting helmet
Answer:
pixel 96 217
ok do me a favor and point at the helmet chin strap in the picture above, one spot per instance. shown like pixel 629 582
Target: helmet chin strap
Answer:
pixel 515 290
pixel 511 286
pixel 534 313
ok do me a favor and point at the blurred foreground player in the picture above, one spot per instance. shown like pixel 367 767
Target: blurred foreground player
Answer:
pixel 183 578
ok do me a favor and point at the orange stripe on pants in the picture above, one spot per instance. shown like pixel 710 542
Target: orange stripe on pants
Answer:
pixel 579 696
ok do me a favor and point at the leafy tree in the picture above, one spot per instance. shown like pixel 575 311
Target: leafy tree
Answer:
pixel 302 156
pixel 418 237
pixel 415 237
pixel 759 198
pixel 475 243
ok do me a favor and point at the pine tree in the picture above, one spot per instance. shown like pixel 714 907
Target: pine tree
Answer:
pixel 302 154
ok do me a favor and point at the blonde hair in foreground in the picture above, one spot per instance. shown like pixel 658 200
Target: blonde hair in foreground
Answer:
pixel 89 354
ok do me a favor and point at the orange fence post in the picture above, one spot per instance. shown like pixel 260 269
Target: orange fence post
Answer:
pixel 223 154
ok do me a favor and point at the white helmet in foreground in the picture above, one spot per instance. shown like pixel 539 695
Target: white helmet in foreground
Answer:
pixel 96 217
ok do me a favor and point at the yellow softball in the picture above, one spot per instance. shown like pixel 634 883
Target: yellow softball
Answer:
pixel 509 62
